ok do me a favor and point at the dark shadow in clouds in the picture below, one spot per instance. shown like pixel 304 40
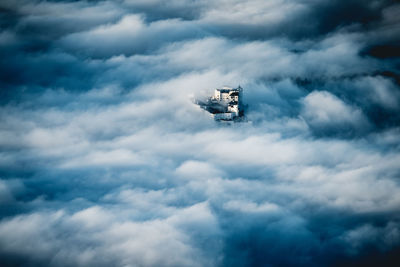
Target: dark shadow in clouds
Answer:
pixel 160 10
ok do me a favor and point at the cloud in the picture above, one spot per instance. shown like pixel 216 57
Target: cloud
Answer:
pixel 325 112
pixel 105 159
pixel 250 207
pixel 104 238
pixel 130 35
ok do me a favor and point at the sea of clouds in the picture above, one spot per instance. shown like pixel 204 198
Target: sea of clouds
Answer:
pixel 106 161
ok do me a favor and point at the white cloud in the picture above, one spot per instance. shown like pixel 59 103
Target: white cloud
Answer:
pixel 250 207
pixel 130 35
pixel 105 238
pixel 106 161
pixel 254 12
pixel 328 113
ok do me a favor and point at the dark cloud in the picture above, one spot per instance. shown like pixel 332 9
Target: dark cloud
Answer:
pixel 105 160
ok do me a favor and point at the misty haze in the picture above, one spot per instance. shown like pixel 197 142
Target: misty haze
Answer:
pixel 199 133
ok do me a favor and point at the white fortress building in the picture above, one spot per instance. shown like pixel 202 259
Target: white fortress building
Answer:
pixel 230 99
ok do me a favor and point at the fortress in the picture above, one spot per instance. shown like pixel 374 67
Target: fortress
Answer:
pixel 226 104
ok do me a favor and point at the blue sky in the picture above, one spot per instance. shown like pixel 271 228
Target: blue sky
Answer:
pixel 106 161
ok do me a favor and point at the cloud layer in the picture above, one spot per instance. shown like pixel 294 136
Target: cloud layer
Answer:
pixel 105 160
